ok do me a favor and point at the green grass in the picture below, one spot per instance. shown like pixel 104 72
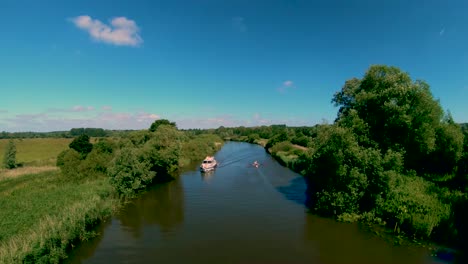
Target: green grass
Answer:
pixel 36 151
pixel 43 215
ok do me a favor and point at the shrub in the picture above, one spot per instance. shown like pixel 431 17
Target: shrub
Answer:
pixel 9 159
pixel 410 205
pixel 82 145
pixel 130 172
pixel 70 163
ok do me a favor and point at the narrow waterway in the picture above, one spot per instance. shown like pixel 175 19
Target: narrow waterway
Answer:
pixel 236 214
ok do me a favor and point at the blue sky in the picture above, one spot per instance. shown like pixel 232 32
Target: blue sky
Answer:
pixel 206 63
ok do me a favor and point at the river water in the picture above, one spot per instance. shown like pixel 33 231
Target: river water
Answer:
pixel 236 214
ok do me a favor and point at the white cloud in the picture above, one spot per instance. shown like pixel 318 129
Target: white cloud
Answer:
pixel 121 31
pixel 285 86
pixel 238 24
pixel 76 108
pixel 107 108
pixel 3 111
pixel 79 108
pixel 442 32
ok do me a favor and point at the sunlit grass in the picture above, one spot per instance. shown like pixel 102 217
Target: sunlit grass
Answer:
pixel 36 151
pixel 43 215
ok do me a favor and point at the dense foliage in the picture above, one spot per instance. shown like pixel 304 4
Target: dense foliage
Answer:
pixel 82 145
pixel 135 160
pixel 9 158
pixel 160 122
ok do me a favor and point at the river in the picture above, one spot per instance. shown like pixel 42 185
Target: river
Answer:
pixel 236 214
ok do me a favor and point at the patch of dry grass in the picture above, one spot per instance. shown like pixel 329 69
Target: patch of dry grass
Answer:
pixel 6 174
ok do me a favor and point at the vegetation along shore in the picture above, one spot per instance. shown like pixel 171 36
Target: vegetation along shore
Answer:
pixel 46 211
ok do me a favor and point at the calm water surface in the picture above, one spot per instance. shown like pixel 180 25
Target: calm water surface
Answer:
pixel 236 214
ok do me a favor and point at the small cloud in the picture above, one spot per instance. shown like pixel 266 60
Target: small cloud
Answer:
pixel 143 117
pixel 76 108
pixel 121 31
pixel 442 32
pixel 288 83
pixel 2 111
pixel 286 86
pixel 238 24
pixel 79 108
pixel 107 108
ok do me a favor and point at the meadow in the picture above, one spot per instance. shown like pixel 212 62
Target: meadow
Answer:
pixel 36 151
pixel 43 213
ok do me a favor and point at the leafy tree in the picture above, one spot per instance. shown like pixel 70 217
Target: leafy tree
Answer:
pixel 130 171
pixel 280 137
pixel 343 176
pixel 159 122
pixel 163 150
pixel 9 159
pixel 387 109
pixel 82 145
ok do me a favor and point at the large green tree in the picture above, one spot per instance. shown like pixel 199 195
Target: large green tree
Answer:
pixel 386 109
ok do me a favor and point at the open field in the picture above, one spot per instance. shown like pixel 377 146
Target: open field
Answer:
pixel 45 214
pixel 36 151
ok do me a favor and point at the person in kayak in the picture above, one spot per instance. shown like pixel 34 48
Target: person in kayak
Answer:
pixel 255 164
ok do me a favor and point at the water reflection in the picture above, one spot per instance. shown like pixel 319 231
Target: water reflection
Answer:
pixel 355 244
pixel 207 176
pixel 162 206
pixel 86 250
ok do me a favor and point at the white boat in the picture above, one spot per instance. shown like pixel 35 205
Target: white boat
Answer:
pixel 208 164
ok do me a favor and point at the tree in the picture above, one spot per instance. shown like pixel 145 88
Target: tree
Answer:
pixel 130 171
pixel 386 109
pixel 159 122
pixel 9 160
pixel 82 145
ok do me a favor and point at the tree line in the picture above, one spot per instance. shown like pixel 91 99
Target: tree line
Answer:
pixel 392 156
pixel 137 159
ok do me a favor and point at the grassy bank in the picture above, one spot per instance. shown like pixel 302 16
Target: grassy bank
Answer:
pixel 44 215
pixel 47 210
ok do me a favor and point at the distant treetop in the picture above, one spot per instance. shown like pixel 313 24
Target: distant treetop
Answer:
pixel 159 122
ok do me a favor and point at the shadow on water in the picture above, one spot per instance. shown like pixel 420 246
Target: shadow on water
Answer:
pixel 295 191
pixel 163 205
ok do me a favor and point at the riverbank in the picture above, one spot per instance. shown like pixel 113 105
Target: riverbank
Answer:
pixel 46 212
pixel 44 215
pixel 288 155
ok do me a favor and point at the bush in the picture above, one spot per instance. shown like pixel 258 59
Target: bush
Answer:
pixel 301 141
pixel 130 172
pixel 344 177
pixel 71 161
pixel 284 146
pixel 61 157
pixel 9 159
pixel 82 145
pixel 411 207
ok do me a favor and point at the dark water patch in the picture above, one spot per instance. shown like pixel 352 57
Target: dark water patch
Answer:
pixel 295 191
